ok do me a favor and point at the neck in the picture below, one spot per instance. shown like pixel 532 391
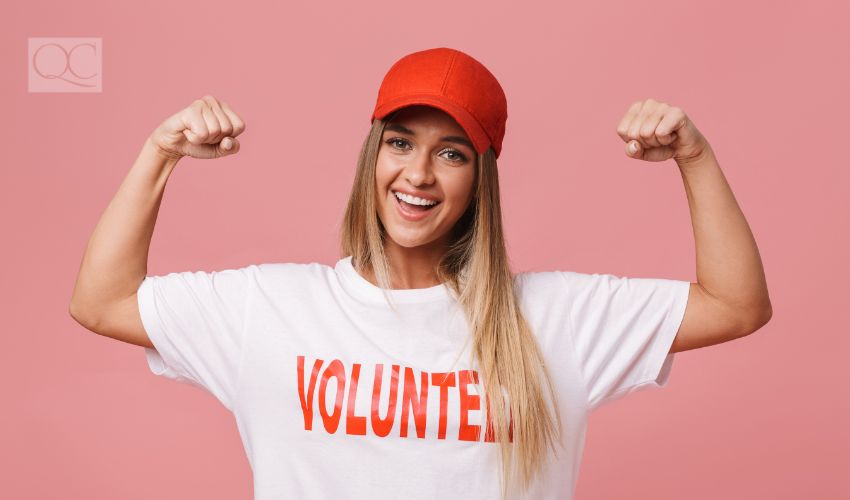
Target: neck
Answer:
pixel 413 267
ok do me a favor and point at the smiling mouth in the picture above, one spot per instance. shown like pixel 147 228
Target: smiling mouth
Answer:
pixel 413 212
pixel 409 207
pixel 414 205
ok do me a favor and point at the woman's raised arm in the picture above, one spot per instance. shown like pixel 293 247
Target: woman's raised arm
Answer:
pixel 730 298
pixel 115 260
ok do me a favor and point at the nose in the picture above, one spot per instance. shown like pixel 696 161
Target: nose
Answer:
pixel 419 170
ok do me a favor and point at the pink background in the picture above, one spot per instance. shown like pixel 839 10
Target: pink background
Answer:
pixel 766 82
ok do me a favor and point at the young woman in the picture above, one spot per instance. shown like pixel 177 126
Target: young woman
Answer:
pixel 374 377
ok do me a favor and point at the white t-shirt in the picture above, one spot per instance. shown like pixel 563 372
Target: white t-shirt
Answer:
pixel 399 420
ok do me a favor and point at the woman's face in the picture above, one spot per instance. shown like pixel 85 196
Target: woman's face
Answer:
pixel 425 156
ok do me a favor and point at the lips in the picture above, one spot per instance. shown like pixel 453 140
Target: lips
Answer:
pixel 415 194
pixel 411 212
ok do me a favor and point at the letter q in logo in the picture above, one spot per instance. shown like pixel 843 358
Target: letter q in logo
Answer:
pixel 65 65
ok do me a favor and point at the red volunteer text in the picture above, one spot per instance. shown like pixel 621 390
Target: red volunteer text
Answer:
pixel 414 403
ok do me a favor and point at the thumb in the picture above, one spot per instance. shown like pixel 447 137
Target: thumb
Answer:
pixel 659 153
pixel 227 146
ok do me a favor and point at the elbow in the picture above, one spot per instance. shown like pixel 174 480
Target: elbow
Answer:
pixel 79 314
pixel 757 317
pixel 74 311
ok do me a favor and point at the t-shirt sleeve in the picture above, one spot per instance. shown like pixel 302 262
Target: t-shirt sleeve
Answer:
pixel 196 321
pixel 622 329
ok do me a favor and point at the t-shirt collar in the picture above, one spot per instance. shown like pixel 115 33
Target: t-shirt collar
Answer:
pixel 362 288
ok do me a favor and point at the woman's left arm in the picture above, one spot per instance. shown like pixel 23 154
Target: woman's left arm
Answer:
pixel 730 298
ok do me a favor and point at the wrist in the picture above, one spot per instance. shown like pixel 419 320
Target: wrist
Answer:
pixel 705 156
pixel 163 156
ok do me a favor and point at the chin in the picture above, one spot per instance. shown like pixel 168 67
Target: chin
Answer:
pixel 412 240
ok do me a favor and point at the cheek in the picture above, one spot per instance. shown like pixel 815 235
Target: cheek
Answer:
pixel 460 189
pixel 384 171
pixel 381 177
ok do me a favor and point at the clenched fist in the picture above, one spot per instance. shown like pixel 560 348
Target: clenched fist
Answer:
pixel 656 131
pixel 206 129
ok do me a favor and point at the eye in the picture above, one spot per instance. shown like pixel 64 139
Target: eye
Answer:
pixel 460 156
pixel 393 141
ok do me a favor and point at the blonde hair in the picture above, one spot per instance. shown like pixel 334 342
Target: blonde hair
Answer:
pixel 476 270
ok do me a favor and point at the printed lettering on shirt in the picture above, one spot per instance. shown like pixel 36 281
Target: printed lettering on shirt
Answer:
pixel 339 397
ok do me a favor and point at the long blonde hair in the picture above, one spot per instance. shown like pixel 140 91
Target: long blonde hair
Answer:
pixel 476 270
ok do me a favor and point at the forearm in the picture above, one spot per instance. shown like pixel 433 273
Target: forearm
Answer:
pixel 728 263
pixel 115 259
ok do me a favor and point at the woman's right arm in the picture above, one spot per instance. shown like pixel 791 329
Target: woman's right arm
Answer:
pixel 115 260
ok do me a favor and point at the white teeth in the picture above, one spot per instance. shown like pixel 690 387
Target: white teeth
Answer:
pixel 413 200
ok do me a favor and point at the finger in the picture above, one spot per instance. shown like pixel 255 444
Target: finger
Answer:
pixel 648 127
pixel 238 123
pixel 646 110
pixel 673 120
pixel 213 126
pixel 223 120
pixel 668 139
pixel 211 151
pixel 623 127
pixel 664 132
pixel 660 153
pixel 194 126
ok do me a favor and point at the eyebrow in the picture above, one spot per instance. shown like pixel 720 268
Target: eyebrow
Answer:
pixel 449 138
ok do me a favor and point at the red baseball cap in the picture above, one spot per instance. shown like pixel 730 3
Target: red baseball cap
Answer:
pixel 454 82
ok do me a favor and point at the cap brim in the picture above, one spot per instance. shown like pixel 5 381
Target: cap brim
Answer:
pixel 466 121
